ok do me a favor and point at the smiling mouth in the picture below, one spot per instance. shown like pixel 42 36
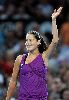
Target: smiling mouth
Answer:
pixel 29 45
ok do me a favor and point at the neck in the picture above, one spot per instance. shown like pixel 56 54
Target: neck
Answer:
pixel 34 52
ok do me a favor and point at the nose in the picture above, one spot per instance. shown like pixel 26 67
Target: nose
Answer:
pixel 27 43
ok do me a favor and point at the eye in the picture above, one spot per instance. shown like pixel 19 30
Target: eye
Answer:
pixel 30 40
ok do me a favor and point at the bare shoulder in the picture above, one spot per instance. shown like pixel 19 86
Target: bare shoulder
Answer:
pixel 17 64
pixel 18 58
pixel 16 67
pixel 17 61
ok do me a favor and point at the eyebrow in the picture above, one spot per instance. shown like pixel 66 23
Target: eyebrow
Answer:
pixel 29 39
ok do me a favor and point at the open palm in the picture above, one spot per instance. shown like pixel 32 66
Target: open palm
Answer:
pixel 56 13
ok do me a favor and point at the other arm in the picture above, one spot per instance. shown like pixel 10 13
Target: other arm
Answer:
pixel 12 83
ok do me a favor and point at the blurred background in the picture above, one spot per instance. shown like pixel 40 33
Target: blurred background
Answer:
pixel 17 17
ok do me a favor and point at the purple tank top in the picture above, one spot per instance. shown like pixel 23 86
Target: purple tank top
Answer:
pixel 33 80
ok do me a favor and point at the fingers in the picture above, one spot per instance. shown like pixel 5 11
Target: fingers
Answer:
pixel 59 10
pixel 56 12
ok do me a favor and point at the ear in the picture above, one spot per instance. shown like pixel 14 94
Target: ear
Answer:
pixel 39 42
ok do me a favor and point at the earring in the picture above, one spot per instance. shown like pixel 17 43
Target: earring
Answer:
pixel 40 43
pixel 25 43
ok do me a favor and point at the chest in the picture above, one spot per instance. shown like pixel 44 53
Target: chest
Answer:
pixel 29 59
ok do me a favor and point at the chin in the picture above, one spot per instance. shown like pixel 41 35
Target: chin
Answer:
pixel 30 50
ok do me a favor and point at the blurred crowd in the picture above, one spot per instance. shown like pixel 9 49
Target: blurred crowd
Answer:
pixel 17 17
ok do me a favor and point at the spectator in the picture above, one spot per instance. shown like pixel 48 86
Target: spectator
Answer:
pixel 66 78
pixel 65 94
pixel 57 87
pixel 44 9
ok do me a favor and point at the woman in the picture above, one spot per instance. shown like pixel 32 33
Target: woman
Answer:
pixel 32 68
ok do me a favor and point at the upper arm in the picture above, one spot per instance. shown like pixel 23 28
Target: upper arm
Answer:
pixel 16 68
pixel 46 53
pixel 49 50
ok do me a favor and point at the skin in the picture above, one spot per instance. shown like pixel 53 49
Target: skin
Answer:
pixel 32 47
pixel 66 95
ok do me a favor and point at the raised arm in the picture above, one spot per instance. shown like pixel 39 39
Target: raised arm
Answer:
pixel 54 32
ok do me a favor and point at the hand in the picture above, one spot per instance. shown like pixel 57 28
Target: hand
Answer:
pixel 56 13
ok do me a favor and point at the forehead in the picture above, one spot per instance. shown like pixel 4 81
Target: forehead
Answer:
pixel 30 36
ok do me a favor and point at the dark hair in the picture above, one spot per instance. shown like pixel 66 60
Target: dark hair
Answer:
pixel 42 46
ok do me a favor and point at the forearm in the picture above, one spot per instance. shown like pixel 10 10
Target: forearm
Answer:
pixel 54 31
pixel 11 89
pixel 54 26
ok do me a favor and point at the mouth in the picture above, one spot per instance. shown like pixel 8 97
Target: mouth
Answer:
pixel 29 45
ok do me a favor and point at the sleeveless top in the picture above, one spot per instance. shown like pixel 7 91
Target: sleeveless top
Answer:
pixel 33 79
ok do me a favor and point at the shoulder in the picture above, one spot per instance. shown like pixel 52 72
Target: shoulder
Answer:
pixel 16 67
pixel 18 58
